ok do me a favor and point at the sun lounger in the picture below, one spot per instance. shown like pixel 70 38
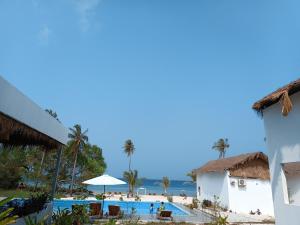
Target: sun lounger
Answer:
pixel 95 209
pixel 164 215
pixel 114 211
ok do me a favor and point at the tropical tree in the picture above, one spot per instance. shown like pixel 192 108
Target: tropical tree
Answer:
pixel 12 166
pixel 91 162
pixel 221 145
pixel 192 175
pixel 53 114
pixel 129 150
pixel 77 141
pixel 165 183
pixel 132 179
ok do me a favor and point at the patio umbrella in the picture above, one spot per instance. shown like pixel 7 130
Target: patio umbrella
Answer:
pixel 104 180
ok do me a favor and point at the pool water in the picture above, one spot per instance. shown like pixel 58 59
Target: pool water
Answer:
pixel 141 208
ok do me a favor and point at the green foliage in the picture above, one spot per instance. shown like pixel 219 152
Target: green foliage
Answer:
pixel 206 203
pixel 165 183
pixel 78 140
pixel 221 145
pixel 132 179
pixel 192 175
pixel 100 196
pixel 111 222
pixel 220 220
pixel 194 204
pixel 35 221
pixel 38 165
pixel 62 217
pixel 129 150
pixel 5 217
pixel 12 166
pixel 137 198
pixel 80 214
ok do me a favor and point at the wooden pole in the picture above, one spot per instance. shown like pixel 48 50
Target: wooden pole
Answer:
pixel 59 152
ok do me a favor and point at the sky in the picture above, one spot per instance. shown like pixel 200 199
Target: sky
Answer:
pixel 172 75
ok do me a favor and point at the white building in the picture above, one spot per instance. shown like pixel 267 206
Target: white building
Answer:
pixel 242 183
pixel 281 114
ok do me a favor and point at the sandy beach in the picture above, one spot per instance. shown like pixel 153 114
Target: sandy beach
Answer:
pixel 145 198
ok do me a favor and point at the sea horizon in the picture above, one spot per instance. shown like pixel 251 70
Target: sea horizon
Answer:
pixel 153 186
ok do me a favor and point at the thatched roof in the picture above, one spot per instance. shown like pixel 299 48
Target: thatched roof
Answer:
pixel 255 164
pixel 292 169
pixel 282 94
pixel 15 133
pixel 23 122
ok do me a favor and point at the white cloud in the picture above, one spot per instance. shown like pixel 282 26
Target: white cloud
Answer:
pixel 44 34
pixel 86 9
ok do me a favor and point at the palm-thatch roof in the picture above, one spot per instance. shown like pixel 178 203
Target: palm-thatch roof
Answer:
pixel 251 165
pixel 16 133
pixel 292 169
pixel 280 95
pixel 22 122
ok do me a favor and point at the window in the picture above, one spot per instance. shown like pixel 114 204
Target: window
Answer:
pixel 291 182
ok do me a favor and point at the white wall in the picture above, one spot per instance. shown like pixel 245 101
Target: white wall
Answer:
pixel 293 185
pixel 283 142
pixel 213 184
pixel 255 195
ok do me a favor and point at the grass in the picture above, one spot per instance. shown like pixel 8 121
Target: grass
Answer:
pixel 16 193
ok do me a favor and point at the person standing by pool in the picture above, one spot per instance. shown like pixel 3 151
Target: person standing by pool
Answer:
pixel 162 206
pixel 151 208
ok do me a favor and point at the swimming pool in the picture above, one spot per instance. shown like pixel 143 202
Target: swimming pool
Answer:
pixel 142 208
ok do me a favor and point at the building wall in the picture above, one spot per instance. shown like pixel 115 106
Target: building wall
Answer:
pixel 293 183
pixel 283 142
pixel 213 184
pixel 255 195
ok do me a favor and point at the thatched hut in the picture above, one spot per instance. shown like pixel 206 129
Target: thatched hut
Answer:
pixel 241 182
pixel 281 116
pixel 24 123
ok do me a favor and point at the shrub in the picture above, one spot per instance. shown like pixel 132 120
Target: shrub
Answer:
pixel 34 204
pixel 206 203
pixel 170 198
pixel 100 196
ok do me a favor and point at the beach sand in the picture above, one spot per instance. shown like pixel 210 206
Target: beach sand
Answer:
pixel 145 198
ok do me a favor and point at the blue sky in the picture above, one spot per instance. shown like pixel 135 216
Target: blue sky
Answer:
pixel 174 76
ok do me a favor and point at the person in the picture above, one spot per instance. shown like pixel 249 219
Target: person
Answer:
pixel 151 208
pixel 162 206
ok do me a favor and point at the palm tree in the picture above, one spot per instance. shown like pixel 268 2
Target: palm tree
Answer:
pixel 78 140
pixel 192 175
pixel 165 183
pixel 53 114
pixel 129 150
pixel 132 179
pixel 221 145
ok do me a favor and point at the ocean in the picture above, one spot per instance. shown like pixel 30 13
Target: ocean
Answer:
pixel 176 187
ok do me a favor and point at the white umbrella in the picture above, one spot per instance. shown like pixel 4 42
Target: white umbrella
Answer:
pixel 104 180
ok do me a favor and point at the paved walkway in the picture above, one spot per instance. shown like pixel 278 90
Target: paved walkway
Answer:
pixel 246 219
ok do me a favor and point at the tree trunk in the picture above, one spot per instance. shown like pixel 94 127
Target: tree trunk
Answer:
pixel 73 173
pixel 220 155
pixel 41 168
pixel 129 163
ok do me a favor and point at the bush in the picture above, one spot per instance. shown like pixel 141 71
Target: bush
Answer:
pixel 100 196
pixel 34 204
pixel 206 203
pixel 170 198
